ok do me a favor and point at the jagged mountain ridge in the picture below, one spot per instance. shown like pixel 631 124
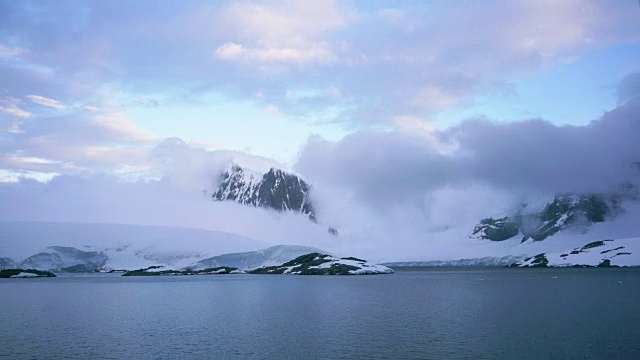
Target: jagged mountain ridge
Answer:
pixel 564 212
pixel 275 189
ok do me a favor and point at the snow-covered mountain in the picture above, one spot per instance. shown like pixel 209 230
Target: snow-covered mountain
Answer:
pixel 65 259
pixel 564 212
pixel 275 189
pixel 80 247
pixel 77 247
pixel 602 253
pixel 274 255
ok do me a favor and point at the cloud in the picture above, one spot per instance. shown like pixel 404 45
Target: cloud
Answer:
pixel 411 60
pixel 41 100
pixel 11 106
pixel 191 167
pixel 7 52
pixel 108 199
pixel 628 88
pixel 385 169
pixel 272 110
pixel 76 142
pixel 316 53
pixel 281 32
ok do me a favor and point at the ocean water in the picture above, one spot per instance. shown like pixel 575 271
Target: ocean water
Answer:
pixel 418 314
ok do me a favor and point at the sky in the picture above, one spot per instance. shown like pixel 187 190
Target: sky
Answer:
pixel 379 104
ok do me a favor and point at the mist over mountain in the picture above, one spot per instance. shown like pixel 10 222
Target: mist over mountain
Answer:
pixel 275 189
pixel 394 195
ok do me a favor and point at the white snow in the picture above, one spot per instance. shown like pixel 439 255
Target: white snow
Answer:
pixel 126 246
pixel 615 251
pixel 24 275
pixel 275 255
pixel 364 267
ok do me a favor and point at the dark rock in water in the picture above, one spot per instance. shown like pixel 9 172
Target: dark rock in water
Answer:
pixel 605 263
pixel 24 273
pixel 154 271
pixel 276 190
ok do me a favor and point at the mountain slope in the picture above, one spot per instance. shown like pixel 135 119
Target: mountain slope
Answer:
pixel 274 255
pixel 564 212
pixel 602 253
pixel 87 247
pixel 275 189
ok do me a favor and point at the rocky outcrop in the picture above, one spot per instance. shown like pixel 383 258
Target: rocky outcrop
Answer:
pixel 160 271
pixel 323 264
pixel 24 273
pixel 275 189
pixel 564 212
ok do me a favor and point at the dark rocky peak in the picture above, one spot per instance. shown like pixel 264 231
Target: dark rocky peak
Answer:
pixel 564 212
pixel 275 189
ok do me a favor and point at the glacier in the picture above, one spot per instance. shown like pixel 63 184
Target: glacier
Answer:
pixel 55 246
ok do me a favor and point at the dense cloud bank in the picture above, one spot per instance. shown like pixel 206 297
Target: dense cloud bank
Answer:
pixel 390 194
pixel 530 158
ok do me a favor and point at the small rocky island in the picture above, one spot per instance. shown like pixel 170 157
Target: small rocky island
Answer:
pixel 323 264
pixel 24 273
pixel 157 271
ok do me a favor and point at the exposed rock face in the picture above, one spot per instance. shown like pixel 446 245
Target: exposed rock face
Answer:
pixel 565 211
pixel 496 229
pixel 275 189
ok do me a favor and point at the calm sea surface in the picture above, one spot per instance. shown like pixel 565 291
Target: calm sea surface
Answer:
pixel 433 314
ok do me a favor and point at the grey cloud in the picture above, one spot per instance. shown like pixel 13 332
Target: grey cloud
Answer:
pixel 531 157
pixel 106 199
pixel 629 87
